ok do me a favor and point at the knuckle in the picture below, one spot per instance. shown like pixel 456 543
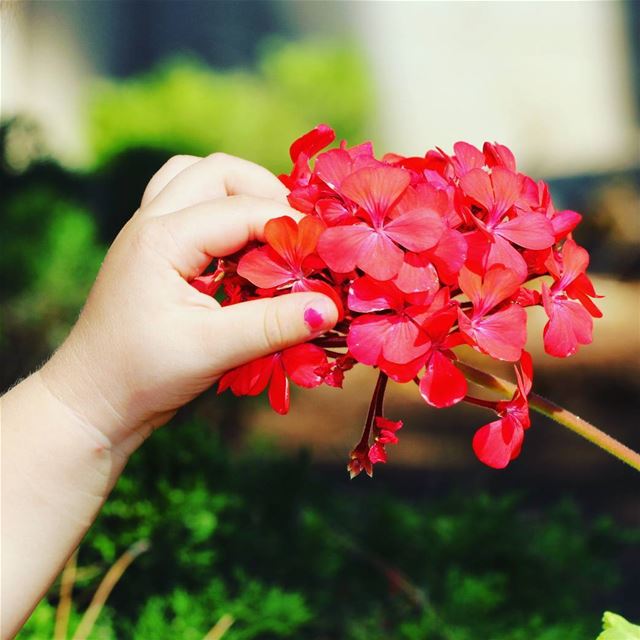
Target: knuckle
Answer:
pixel 219 157
pixel 274 326
pixel 177 160
pixel 151 234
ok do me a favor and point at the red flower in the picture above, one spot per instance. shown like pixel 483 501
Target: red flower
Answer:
pixel 375 338
pixel 442 384
pixel 503 333
pixel 373 243
pixel 386 434
pixel 397 244
pixel 500 226
pixel 499 442
pixel 570 323
pixel 288 259
pixel 298 363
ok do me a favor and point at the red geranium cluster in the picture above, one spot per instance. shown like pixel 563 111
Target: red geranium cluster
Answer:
pixel 420 255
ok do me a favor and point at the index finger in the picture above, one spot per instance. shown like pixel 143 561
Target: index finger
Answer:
pixel 213 229
pixel 213 177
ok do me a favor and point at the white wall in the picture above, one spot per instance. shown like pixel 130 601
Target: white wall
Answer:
pixel 549 79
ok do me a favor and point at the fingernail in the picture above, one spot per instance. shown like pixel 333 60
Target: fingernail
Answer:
pixel 319 315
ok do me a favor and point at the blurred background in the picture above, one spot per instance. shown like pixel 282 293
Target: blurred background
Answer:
pixel 251 516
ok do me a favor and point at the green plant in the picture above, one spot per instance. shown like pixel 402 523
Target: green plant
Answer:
pixel 186 107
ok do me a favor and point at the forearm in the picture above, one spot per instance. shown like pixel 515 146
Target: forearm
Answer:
pixel 57 471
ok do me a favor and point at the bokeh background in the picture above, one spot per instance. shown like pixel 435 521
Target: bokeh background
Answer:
pixel 251 516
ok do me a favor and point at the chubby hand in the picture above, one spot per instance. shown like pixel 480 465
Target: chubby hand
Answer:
pixel 147 342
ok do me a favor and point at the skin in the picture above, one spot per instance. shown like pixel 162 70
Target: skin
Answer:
pixel 145 344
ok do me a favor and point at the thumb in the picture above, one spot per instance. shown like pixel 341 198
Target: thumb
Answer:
pixel 256 328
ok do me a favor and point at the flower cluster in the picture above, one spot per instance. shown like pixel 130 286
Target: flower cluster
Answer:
pixel 420 255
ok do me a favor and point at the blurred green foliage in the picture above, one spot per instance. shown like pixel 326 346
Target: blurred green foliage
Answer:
pixel 287 551
pixel 291 552
pixel 185 107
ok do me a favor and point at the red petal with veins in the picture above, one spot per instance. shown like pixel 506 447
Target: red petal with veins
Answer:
pixel 502 252
pixel 293 241
pixel 375 189
pixel 417 274
pixel 449 255
pixel 498 284
pixel 443 384
pixel 575 261
pixel 332 212
pixel 403 341
pixel 529 230
pixel 394 337
pixel 282 234
pixel 507 186
pixel 499 155
pixel 264 268
pixel 569 326
pixel 366 336
pixel 477 184
pixel 339 247
pixel 401 372
pixel 379 257
pixel 467 157
pixel 502 335
pixel 416 230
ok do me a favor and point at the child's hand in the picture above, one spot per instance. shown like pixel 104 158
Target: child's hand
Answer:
pixel 147 342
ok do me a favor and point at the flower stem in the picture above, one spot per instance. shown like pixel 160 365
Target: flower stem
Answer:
pixel 557 413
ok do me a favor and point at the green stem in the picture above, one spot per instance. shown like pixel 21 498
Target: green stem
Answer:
pixel 557 413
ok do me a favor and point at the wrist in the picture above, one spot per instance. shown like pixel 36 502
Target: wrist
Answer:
pixel 95 399
pixel 59 455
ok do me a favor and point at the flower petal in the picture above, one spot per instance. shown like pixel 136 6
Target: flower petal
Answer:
pixel 340 246
pixel 403 341
pixel 300 363
pixel 366 336
pixel 279 388
pixel 264 268
pixel 332 167
pixel 498 442
pixel 416 230
pixel 249 379
pixel 569 326
pixel 310 143
pixel 380 257
pixel 375 189
pixel 529 230
pixel 443 384
pixel 502 335
pixel 417 274
pixel 367 295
